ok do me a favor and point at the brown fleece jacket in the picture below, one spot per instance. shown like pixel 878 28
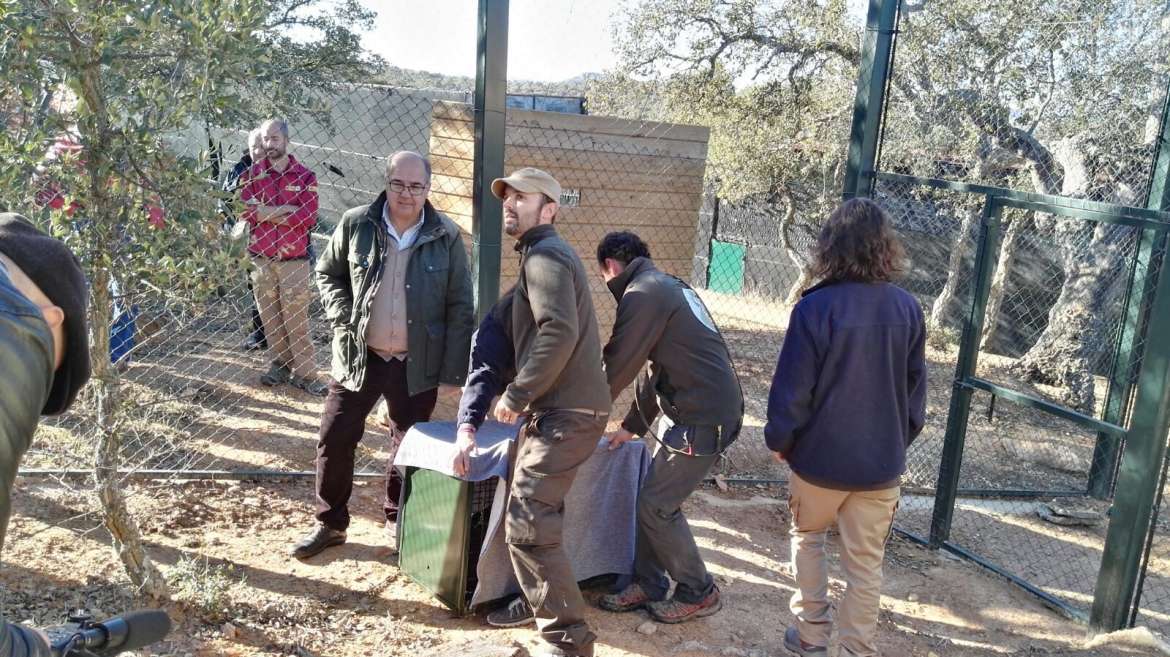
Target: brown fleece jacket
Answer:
pixel 554 330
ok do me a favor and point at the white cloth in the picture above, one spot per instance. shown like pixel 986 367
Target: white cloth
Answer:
pixel 431 445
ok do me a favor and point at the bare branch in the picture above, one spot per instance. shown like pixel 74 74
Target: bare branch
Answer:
pixel 287 19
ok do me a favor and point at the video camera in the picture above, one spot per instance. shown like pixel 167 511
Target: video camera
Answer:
pixel 81 637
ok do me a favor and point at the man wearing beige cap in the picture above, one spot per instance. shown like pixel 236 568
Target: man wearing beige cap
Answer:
pixel 396 288
pixel 561 386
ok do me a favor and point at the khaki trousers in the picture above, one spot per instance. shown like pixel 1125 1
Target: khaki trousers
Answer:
pixel 863 520
pixel 555 444
pixel 282 297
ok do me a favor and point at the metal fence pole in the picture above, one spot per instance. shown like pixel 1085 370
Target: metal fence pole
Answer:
pixel 960 409
pixel 491 88
pixel 711 240
pixel 872 81
pixel 1137 300
pixel 1138 477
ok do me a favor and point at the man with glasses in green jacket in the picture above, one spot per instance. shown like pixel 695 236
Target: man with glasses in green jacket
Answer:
pixel 396 289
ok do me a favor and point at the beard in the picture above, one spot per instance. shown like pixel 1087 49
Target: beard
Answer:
pixel 275 153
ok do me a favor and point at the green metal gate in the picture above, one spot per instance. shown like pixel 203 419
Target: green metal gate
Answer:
pixel 1059 498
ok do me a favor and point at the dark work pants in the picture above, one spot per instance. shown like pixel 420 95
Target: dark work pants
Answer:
pixel 665 544
pixel 343 422
pixel 257 325
pixel 556 443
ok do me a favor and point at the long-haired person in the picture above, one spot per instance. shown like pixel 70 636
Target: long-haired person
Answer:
pixel 847 399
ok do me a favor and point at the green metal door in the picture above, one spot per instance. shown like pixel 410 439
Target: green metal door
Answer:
pixel 725 271
pixel 434 535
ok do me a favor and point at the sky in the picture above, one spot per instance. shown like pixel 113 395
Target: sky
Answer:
pixel 548 40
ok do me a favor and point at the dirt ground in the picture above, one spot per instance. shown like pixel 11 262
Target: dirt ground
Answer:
pixel 195 405
pixel 248 598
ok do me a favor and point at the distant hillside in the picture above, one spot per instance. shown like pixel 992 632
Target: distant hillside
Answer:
pixel 405 77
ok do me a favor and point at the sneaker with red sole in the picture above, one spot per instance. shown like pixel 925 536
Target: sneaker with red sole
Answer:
pixel 672 611
pixel 629 599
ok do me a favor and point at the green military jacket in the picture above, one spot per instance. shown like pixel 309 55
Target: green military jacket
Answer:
pixel 439 306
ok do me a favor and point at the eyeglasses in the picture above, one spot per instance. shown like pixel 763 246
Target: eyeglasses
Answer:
pixel 415 189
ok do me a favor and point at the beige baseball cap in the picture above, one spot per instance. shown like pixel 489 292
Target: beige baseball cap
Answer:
pixel 528 180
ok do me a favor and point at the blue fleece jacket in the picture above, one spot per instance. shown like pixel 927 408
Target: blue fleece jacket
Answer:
pixel 849 393
pixel 492 363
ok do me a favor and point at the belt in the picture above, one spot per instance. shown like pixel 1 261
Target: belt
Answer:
pixel 584 411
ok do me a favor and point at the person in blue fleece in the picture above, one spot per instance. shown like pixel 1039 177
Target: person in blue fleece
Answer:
pixel 847 399
pixel 491 368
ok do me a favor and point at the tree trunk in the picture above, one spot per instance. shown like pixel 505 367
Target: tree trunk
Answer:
pixel 798 288
pixel 106 213
pixel 1003 267
pixel 946 310
pixel 787 222
pixel 1077 336
pixel 127 540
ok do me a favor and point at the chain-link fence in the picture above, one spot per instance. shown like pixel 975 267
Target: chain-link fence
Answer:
pixel 1152 601
pixel 648 177
pixel 938 228
pixel 193 371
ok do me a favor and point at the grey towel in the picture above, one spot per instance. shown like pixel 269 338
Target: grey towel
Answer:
pixel 601 510
pixel 601 521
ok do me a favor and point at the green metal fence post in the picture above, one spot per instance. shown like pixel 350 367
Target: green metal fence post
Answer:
pixel 872 81
pixel 1159 196
pixel 1150 247
pixel 491 87
pixel 960 409
pixel 1138 477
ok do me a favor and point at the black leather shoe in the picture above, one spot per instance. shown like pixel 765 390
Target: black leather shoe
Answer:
pixel 254 342
pixel 557 652
pixel 317 541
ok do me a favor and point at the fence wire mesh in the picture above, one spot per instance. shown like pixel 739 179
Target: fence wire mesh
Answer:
pixel 1152 604
pixel 1054 543
pixel 1004 102
pixel 192 369
pixel 647 177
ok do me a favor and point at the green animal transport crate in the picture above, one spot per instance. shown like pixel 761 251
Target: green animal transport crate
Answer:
pixel 450 543
pixel 442 527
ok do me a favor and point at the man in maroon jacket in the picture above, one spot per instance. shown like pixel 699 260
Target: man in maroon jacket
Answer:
pixel 281 210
